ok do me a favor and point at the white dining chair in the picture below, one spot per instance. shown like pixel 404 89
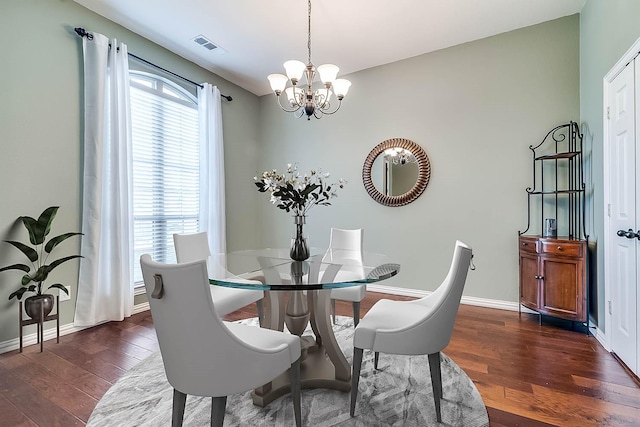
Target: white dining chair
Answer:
pixel 417 327
pixel 345 246
pixel 204 356
pixel 195 247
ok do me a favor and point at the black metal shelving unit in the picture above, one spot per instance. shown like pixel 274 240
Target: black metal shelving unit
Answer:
pixel 560 149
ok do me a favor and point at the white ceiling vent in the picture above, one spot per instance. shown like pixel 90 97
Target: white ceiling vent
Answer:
pixel 207 44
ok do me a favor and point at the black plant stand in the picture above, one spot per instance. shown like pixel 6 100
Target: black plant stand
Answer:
pixel 40 323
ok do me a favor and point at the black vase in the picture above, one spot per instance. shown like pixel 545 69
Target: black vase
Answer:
pixel 33 303
pixel 299 248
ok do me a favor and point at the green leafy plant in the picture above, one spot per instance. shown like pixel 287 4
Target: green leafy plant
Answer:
pixel 38 254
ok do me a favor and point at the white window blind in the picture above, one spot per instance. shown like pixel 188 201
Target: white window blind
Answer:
pixel 166 168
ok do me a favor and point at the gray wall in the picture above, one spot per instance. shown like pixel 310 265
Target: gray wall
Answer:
pixel 40 133
pixel 475 108
pixel 607 31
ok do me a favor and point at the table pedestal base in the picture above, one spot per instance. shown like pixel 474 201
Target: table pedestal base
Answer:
pixel 316 371
pixel 324 365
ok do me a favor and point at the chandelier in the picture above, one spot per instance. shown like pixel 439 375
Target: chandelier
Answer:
pixel 399 156
pixel 303 99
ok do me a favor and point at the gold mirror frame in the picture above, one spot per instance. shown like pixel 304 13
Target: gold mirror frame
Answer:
pixel 424 172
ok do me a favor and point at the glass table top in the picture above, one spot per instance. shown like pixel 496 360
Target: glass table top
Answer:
pixel 272 269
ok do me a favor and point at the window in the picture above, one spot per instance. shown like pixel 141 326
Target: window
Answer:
pixel 166 168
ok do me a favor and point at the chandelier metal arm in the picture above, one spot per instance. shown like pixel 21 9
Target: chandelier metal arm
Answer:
pixel 328 113
pixel 293 110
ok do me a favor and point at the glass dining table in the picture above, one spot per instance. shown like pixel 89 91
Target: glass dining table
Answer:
pixel 297 293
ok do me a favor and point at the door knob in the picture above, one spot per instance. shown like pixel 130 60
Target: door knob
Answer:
pixel 629 234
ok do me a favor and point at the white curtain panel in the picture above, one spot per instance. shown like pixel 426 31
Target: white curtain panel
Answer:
pixel 212 201
pixel 105 283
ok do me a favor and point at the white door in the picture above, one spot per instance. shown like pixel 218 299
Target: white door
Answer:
pixel 623 251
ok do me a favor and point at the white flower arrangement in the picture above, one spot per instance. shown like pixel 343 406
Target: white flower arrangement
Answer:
pixel 297 193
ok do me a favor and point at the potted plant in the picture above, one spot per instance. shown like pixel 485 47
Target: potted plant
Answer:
pixel 39 268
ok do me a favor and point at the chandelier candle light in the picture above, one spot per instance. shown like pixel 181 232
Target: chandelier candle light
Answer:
pixel 399 156
pixel 305 99
pixel 294 193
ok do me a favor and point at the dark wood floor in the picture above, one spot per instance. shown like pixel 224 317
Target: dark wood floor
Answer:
pixel 528 375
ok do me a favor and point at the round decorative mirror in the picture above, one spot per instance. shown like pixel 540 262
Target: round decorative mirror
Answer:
pixel 396 172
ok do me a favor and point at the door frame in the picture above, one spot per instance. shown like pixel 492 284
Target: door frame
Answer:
pixel 629 56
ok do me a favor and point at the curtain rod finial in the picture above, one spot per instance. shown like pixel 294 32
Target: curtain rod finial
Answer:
pixel 83 33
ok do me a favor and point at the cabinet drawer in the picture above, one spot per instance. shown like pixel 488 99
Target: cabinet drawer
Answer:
pixel 562 248
pixel 529 245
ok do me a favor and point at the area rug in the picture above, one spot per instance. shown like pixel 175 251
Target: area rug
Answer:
pixel 398 394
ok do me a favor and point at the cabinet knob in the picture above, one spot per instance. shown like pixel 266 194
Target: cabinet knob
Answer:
pixel 559 248
pixel 524 244
pixel 538 277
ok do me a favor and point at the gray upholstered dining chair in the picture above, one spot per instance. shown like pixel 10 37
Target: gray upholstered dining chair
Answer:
pixel 195 247
pixel 422 326
pixel 204 356
pixel 345 246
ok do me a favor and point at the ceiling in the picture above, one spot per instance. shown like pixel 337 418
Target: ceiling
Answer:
pixel 257 36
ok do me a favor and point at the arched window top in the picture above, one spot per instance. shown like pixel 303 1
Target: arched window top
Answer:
pixel 162 87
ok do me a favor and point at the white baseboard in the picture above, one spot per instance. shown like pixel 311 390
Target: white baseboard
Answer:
pixel 140 308
pixel 600 336
pixel 31 339
pixel 480 302
pixel 69 328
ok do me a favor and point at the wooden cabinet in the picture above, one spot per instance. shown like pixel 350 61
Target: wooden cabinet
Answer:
pixel 553 276
pixel 553 270
pixel 529 272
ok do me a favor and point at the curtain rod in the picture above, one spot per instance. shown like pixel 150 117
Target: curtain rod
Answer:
pixel 83 33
